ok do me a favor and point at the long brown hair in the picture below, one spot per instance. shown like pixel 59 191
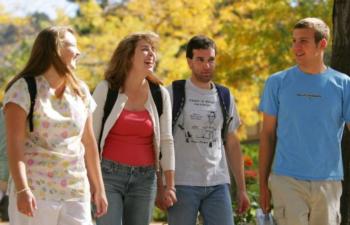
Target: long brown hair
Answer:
pixel 45 52
pixel 121 61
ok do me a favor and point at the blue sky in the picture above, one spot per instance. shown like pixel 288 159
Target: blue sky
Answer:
pixel 23 7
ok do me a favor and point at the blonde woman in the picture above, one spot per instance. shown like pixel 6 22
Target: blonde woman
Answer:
pixel 50 163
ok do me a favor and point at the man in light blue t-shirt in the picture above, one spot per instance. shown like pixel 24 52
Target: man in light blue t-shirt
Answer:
pixel 305 109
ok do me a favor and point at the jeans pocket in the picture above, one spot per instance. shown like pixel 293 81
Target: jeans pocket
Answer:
pixel 269 180
pixel 150 175
pixel 279 215
pixel 337 218
pixel 149 178
pixel 106 169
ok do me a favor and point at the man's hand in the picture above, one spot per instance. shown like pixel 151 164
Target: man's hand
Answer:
pixel 265 198
pixel 166 197
pixel 242 202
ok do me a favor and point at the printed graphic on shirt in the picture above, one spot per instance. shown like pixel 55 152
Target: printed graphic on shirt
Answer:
pixel 309 95
pixel 204 134
pixel 201 125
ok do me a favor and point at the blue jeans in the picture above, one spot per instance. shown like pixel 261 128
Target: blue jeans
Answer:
pixel 130 192
pixel 213 203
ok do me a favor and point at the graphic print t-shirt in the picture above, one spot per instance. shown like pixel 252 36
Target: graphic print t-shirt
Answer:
pixel 199 151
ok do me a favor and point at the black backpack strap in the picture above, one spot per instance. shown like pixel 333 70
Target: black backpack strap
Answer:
pixel 225 100
pixel 32 92
pixel 158 100
pixel 157 97
pixel 111 98
pixel 178 99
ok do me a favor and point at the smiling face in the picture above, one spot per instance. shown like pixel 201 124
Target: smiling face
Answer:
pixel 202 65
pixel 69 50
pixel 144 58
pixel 306 50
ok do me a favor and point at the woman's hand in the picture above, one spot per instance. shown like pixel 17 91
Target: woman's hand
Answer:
pixel 159 198
pixel 26 203
pixel 100 201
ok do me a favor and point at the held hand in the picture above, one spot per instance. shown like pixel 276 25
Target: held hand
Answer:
pixel 265 198
pixel 26 203
pixel 243 202
pixel 169 197
pixel 159 198
pixel 100 201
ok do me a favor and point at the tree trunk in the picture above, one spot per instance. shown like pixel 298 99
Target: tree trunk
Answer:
pixel 340 61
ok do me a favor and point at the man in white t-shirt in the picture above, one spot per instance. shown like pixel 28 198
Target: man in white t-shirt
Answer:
pixel 202 177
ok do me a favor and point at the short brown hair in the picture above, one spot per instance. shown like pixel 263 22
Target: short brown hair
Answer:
pixel 319 26
pixel 199 42
pixel 121 61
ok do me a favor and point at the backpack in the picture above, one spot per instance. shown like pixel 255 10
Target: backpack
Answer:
pixel 112 96
pixel 3 157
pixel 179 97
pixel 32 93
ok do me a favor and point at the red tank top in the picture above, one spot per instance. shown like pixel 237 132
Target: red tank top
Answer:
pixel 130 140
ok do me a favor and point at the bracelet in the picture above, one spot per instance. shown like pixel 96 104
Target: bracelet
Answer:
pixel 171 189
pixel 23 190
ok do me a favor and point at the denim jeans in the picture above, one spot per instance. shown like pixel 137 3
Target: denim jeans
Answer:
pixel 130 192
pixel 213 203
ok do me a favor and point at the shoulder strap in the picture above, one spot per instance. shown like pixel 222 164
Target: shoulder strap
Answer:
pixel 224 98
pixel 178 99
pixel 157 97
pixel 32 92
pixel 111 98
pixel 158 100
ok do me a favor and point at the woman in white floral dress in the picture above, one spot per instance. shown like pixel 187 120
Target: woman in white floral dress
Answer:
pixel 55 167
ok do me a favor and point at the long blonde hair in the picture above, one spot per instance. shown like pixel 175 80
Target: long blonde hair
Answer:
pixel 121 61
pixel 45 52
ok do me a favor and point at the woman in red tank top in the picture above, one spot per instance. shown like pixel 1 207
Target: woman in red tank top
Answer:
pixel 135 142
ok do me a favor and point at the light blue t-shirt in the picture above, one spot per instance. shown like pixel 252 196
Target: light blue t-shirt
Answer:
pixel 311 111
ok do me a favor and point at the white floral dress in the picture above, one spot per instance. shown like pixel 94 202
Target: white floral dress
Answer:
pixel 54 152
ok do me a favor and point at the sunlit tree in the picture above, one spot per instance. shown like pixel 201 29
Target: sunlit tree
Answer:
pixel 340 61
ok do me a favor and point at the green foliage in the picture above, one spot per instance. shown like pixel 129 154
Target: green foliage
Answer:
pixel 253 39
pixel 250 151
pixel 252 36
pixel 159 215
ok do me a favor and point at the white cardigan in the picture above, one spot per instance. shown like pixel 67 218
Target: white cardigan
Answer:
pixel 162 139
